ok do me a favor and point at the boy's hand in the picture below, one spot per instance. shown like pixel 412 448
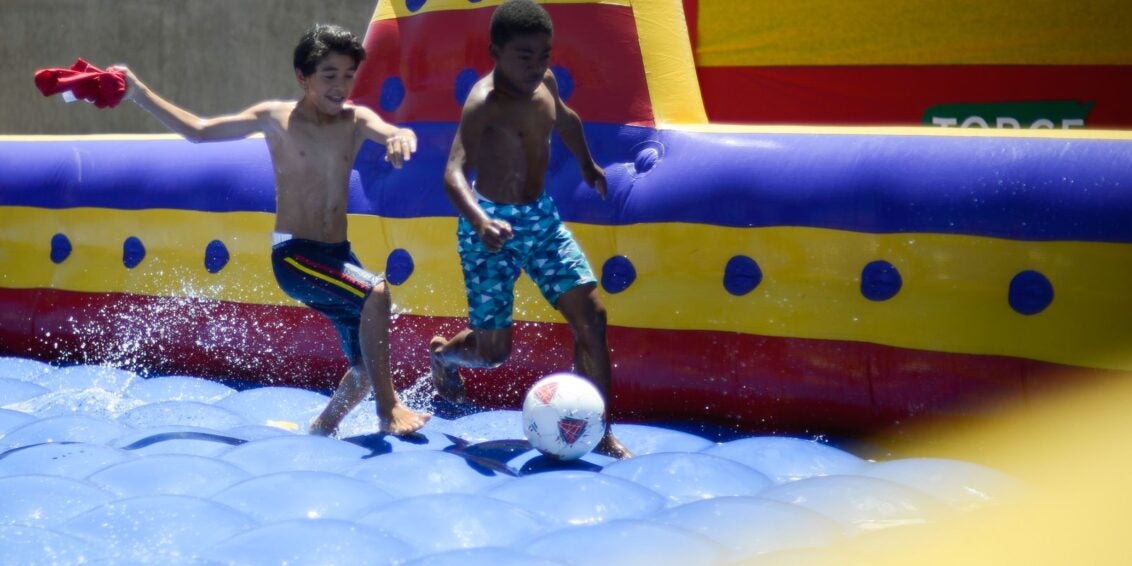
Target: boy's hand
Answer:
pixel 133 85
pixel 494 233
pixel 594 176
pixel 400 146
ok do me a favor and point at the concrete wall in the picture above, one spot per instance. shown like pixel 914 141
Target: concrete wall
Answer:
pixel 209 56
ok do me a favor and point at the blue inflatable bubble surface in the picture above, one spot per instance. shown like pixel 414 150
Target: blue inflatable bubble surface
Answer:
pixel 101 465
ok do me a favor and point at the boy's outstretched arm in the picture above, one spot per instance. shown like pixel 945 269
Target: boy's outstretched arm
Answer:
pixel 569 127
pixel 189 125
pixel 400 143
pixel 493 232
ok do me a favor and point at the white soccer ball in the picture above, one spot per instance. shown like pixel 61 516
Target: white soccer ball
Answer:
pixel 564 416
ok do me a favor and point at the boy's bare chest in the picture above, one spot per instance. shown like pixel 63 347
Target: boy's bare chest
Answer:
pixel 306 150
pixel 520 126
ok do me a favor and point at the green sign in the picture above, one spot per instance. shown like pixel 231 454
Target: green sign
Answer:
pixel 1040 114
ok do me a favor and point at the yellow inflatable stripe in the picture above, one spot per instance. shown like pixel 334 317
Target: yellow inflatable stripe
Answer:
pixel 925 32
pixel 174 241
pixel 670 69
pixel 954 296
pixel 387 10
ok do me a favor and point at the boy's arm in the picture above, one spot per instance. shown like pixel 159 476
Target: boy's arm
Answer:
pixel 400 143
pixel 189 125
pixel 493 232
pixel 569 127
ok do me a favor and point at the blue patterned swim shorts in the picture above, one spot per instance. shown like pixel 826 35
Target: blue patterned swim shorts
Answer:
pixel 542 246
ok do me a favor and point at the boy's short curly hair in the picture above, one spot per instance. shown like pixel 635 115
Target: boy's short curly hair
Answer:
pixel 518 17
pixel 323 39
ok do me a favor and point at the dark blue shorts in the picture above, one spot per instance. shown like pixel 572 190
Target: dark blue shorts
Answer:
pixel 329 279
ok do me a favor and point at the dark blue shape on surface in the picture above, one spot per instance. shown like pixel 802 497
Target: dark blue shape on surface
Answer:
pixel 742 275
pixel 60 248
pixel 465 80
pixel 399 266
pixel 392 94
pixel 133 252
pixel 880 281
pixel 1030 293
pixel 215 256
pixel 617 274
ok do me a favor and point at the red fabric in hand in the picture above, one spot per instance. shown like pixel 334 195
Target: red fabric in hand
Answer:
pixel 104 88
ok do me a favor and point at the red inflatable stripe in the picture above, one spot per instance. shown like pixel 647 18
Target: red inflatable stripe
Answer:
pixel 758 383
pixel 900 95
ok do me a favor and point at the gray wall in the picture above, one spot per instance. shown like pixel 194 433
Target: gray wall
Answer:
pixel 209 56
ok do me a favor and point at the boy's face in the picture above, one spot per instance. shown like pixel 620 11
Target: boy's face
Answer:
pixel 331 82
pixel 523 61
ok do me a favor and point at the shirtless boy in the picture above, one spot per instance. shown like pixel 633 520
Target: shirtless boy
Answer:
pixel 313 143
pixel 507 221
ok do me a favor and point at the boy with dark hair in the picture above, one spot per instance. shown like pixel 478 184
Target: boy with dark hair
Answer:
pixel 507 221
pixel 313 143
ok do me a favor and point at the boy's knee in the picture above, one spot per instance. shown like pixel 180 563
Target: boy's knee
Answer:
pixel 598 315
pixel 592 317
pixel 379 298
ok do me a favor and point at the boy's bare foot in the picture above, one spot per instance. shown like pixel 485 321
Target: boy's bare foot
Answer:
pixel 317 428
pixel 403 421
pixel 610 446
pixel 447 380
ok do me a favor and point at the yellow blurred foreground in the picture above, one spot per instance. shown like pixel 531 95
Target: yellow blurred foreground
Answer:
pixel 1073 454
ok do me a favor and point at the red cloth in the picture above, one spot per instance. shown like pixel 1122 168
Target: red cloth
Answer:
pixel 104 88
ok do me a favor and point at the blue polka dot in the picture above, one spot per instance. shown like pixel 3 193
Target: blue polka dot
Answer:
pixel 392 94
pixel 1030 293
pixel 399 266
pixel 742 275
pixel 60 248
pixel 880 281
pixel 133 252
pixel 465 80
pixel 617 274
pixel 565 82
pixel 215 256
pixel 414 5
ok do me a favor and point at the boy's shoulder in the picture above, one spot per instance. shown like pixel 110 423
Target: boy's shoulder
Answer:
pixel 272 108
pixel 480 91
pixel 274 104
pixel 358 110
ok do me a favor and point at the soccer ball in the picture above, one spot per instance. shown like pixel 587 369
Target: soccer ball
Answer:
pixel 563 416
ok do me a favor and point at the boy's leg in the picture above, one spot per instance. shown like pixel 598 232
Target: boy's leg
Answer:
pixel 328 278
pixel 585 313
pixel 351 390
pixel 373 333
pixel 489 284
pixel 468 349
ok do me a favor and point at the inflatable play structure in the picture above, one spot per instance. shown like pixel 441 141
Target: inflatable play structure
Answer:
pixel 826 279
pixel 954 63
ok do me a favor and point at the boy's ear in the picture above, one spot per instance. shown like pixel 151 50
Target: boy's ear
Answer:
pixel 300 77
pixel 493 50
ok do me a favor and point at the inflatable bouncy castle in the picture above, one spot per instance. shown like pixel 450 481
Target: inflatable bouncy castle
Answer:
pixel 954 63
pixel 783 278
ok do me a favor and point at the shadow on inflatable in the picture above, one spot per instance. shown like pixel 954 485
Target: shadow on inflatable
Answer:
pixel 826 280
